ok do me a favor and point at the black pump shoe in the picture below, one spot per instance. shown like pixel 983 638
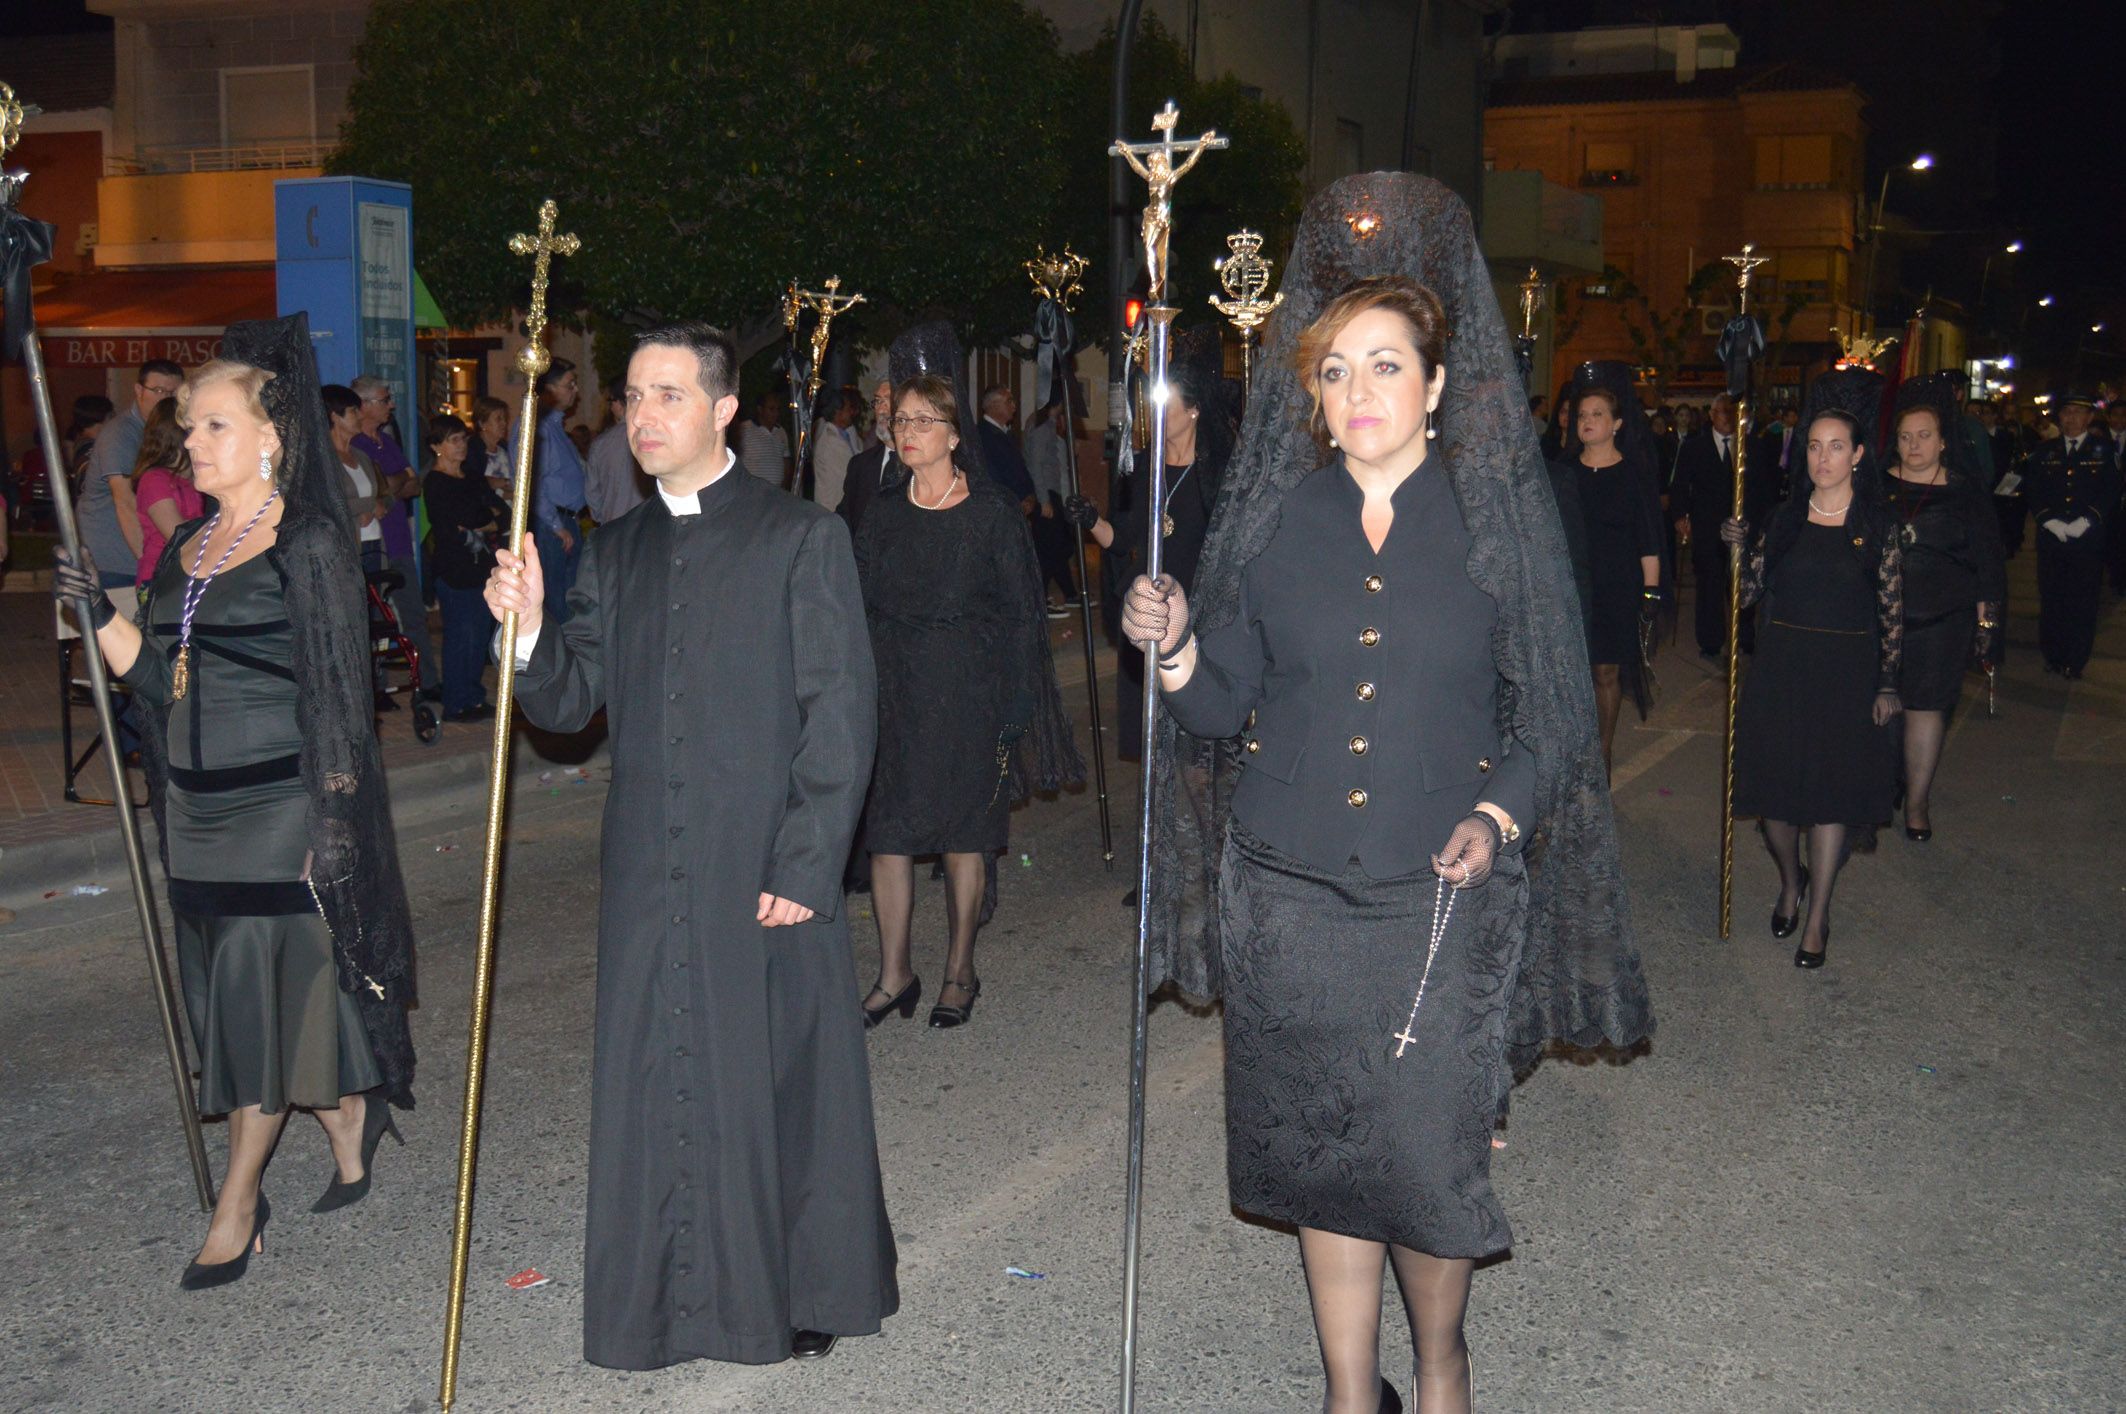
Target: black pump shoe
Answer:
pixel 1784 927
pixel 902 1001
pixel 1390 1401
pixel 943 1017
pixel 810 1345
pixel 376 1123
pixel 202 1276
pixel 1813 960
pixel 1919 836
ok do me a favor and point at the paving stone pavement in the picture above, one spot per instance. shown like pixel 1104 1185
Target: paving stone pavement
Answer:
pixel 1891 1185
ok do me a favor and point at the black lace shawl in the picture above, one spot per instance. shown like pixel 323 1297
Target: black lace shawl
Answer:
pixel 1580 979
pixel 355 860
pixel 1046 758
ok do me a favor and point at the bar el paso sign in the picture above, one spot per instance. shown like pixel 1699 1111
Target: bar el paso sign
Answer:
pixel 124 348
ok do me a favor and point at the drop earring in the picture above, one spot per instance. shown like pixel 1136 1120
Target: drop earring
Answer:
pixel 265 465
pixel 1431 432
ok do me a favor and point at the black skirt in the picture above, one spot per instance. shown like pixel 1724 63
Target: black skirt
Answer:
pixel 1326 1127
pixel 1936 653
pixel 1807 750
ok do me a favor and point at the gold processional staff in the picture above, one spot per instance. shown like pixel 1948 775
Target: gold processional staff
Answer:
pixel 1744 264
pixel 532 360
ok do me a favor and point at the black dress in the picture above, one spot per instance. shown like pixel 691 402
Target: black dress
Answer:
pixel 953 602
pixel 1370 692
pixel 254 957
pixel 1953 565
pixel 1623 524
pixel 1807 750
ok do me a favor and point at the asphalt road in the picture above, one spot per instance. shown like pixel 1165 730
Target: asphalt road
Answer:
pixel 1891 1185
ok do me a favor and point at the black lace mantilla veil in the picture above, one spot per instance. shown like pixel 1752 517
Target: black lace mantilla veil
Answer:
pixel 355 865
pixel 1936 391
pixel 1045 758
pixel 1580 979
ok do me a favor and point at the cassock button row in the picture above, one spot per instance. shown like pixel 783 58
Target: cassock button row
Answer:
pixel 675 783
pixel 680 1051
pixel 679 1011
pixel 679 966
pixel 677 740
pixel 675 608
pixel 679 873
pixel 677 830
pixel 1357 799
pixel 671 697
pixel 679 918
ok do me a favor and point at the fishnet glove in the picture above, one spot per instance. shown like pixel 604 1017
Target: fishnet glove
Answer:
pixel 72 583
pixel 1156 612
pixel 1466 859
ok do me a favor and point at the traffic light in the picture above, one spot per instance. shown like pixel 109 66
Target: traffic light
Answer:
pixel 1132 313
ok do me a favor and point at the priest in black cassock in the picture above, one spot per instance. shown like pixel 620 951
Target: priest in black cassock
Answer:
pixel 735 1210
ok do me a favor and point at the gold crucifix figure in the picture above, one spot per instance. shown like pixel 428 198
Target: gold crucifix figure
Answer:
pixel 1154 161
pixel 1745 264
pixel 532 359
pixel 826 304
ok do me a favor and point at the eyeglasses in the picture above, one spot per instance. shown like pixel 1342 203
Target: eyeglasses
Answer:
pixel 378 398
pixel 918 424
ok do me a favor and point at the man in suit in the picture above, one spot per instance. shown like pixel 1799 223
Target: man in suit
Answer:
pixel 1007 464
pixel 874 469
pixel 1700 497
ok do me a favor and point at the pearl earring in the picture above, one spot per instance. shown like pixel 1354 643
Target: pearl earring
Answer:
pixel 265 465
pixel 1332 441
pixel 1431 432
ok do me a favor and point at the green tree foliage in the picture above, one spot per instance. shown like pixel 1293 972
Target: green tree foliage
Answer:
pixel 706 151
pixel 1258 182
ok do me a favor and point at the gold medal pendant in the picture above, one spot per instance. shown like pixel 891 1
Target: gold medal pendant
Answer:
pixel 1166 526
pixel 181 673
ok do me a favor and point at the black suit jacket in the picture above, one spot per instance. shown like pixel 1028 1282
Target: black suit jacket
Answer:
pixel 1703 489
pixel 1365 683
pixel 870 471
pixel 1007 464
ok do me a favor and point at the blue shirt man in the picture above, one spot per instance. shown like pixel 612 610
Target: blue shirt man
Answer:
pixel 557 486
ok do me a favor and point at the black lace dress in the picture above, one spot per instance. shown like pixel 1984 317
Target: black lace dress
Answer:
pixel 959 634
pixel 1953 570
pixel 1829 637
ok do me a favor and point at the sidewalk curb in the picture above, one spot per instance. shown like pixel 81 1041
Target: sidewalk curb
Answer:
pixel 27 871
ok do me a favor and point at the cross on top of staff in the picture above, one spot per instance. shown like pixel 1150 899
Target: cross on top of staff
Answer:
pixel 1154 161
pixel 532 359
pixel 1746 262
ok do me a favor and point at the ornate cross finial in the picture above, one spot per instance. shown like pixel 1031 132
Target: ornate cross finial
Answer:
pixel 1531 295
pixel 1055 277
pixel 1744 264
pixel 532 359
pixel 1244 275
pixel 1154 161
pixel 12 114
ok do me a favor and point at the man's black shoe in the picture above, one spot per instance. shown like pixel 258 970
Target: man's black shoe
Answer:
pixel 810 1345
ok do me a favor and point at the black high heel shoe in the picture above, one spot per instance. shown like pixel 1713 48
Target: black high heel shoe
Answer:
pixel 944 1017
pixel 1919 836
pixel 1784 927
pixel 902 1001
pixel 376 1123
pixel 1813 960
pixel 199 1276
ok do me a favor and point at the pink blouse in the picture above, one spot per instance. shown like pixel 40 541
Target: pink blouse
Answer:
pixel 158 484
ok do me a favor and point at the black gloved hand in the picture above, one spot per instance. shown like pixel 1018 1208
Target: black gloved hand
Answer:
pixel 1081 513
pixel 72 583
pixel 1156 612
pixel 1466 859
pixel 1735 532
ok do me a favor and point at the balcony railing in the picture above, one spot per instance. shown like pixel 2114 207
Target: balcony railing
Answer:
pixel 256 157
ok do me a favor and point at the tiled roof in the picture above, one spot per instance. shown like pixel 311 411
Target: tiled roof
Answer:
pixel 62 73
pixel 1576 90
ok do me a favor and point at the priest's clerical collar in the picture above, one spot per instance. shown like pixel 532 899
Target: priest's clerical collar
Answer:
pixel 694 504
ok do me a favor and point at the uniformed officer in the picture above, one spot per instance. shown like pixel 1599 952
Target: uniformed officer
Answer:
pixel 2073 492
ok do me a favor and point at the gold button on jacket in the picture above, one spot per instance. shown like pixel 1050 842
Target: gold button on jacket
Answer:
pixel 1357 799
pixel 1369 636
pixel 1358 746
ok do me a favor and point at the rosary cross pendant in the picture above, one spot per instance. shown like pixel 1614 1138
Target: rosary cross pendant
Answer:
pixel 1405 1039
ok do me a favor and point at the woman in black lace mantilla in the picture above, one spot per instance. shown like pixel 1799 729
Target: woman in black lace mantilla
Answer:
pixel 1304 859
pixel 1814 750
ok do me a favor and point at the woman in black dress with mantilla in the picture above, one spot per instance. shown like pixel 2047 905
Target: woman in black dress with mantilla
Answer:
pixel 952 591
pixel 1385 651
pixel 1955 581
pixel 1814 751
pixel 293 942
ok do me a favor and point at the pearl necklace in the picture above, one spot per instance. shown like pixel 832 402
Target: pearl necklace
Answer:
pixel 912 489
pixel 1828 514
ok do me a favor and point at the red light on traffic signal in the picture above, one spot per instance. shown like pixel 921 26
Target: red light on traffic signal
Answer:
pixel 1132 311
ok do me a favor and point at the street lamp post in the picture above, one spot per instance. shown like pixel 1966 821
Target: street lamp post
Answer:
pixel 2012 248
pixel 1921 163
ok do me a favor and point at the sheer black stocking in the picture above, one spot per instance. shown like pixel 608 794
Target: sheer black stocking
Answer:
pixel 964 878
pixel 1609 704
pixel 1436 1298
pixel 1784 841
pixel 1343 1281
pixel 893 904
pixel 1826 855
pixel 1923 738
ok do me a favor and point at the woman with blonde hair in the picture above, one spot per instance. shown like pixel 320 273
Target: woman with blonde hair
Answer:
pixel 293 938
